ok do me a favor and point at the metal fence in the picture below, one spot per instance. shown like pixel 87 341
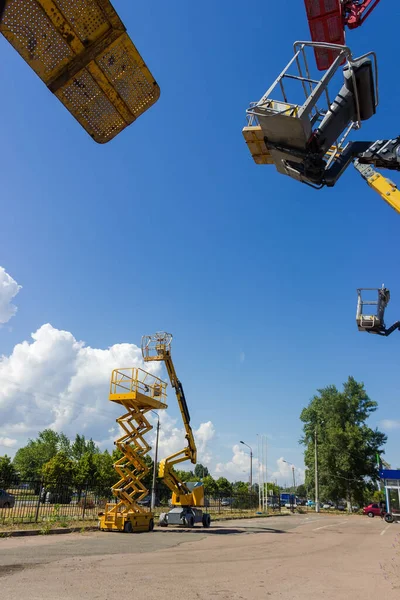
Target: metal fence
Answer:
pixel 36 502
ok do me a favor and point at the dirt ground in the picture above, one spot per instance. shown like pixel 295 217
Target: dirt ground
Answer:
pixel 294 557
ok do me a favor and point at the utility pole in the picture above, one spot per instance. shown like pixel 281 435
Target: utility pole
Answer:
pixel 153 491
pixel 294 481
pixel 251 464
pixel 316 473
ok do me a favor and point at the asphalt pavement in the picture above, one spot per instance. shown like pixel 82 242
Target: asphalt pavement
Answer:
pixel 290 557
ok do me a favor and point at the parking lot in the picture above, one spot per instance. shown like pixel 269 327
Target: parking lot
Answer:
pixel 288 557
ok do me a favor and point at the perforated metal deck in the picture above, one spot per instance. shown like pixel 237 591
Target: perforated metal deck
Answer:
pixel 81 50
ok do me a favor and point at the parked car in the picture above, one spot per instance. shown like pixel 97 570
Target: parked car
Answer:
pixel 226 502
pixel 372 510
pixel 61 497
pixel 6 500
pixel 327 506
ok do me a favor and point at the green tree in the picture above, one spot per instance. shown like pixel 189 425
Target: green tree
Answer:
pixel 58 470
pixel 224 487
pixel 86 469
pixel 8 474
pixel 106 474
pixel 240 487
pixel 80 446
pixel 200 471
pixel 29 460
pixel 301 491
pixel 347 447
pixel 210 485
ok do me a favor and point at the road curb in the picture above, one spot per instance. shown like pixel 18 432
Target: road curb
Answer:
pixel 60 531
pixel 31 532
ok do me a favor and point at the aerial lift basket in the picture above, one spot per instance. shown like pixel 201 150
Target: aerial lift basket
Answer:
pixel 81 51
pixel 303 120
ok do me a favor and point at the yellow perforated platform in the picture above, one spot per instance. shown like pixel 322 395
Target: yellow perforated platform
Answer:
pixel 81 50
pixel 254 137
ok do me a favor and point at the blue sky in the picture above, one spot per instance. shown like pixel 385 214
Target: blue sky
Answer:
pixel 172 226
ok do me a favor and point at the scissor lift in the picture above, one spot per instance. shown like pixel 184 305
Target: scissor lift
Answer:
pixel 138 392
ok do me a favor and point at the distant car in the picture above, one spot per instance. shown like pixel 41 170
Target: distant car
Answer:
pixel 273 505
pixel 310 503
pixel 288 505
pixel 341 507
pixel 326 506
pixel 6 500
pixel 62 497
pixel 372 510
pixel 226 502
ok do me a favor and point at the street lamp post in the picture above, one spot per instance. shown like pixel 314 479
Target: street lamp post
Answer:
pixel 153 491
pixel 316 473
pixel 294 478
pixel 251 464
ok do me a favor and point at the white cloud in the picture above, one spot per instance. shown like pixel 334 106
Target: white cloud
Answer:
pixel 238 467
pixel 390 424
pixel 284 474
pixel 9 288
pixel 7 442
pixel 56 381
pixel 172 439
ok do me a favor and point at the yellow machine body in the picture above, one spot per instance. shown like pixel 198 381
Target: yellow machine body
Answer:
pixel 195 498
pixel 138 392
pixel 82 52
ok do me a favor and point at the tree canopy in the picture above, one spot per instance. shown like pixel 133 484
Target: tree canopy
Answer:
pixel 347 446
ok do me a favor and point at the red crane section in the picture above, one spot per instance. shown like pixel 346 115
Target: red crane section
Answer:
pixel 327 20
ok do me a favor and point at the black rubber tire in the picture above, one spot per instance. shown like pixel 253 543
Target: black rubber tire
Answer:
pixel 189 522
pixel 6 505
pixel 128 527
pixel 151 525
pixel 371 515
pixel 206 520
pixel 389 518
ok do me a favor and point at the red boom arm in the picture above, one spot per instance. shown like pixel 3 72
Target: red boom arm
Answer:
pixel 355 13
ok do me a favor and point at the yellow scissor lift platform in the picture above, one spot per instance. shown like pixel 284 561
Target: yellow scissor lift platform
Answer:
pixel 81 51
pixel 138 392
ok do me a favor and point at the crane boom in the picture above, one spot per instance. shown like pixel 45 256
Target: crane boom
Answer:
pixel 157 347
pixel 380 184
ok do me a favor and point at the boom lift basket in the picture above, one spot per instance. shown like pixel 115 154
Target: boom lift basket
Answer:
pixel 81 51
pixel 299 125
pixel 375 322
pixel 155 346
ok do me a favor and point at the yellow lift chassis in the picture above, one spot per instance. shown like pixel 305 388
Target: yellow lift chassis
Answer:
pixel 138 392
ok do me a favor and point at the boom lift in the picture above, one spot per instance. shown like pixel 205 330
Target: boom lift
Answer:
pixel 82 52
pixel 306 137
pixel 327 20
pixel 138 392
pixel 186 497
pixel 374 323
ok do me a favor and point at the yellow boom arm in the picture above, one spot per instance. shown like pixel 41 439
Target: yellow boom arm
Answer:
pixel 157 347
pixel 380 184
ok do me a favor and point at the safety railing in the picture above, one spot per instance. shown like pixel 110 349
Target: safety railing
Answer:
pixel 133 380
